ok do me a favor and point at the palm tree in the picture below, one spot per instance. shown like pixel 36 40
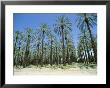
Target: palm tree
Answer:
pixel 67 39
pixel 95 46
pixel 46 49
pixel 85 43
pixel 56 45
pixel 62 24
pixel 86 39
pixel 16 38
pixel 51 38
pixel 88 20
pixel 71 51
pixel 19 47
pixel 43 31
pixel 82 49
pixel 36 41
pixel 27 50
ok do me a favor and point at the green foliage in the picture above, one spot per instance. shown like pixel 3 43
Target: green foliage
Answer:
pixel 42 48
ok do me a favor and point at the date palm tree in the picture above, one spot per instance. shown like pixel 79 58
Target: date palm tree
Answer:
pixel 27 49
pixel 88 20
pixel 51 38
pixel 16 39
pixel 86 40
pixel 62 24
pixel 43 31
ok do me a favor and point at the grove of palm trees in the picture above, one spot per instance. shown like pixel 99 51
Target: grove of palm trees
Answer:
pixel 56 44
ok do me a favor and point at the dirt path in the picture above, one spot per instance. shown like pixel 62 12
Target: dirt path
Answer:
pixel 33 70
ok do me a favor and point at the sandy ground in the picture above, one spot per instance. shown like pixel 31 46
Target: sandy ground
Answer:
pixel 75 70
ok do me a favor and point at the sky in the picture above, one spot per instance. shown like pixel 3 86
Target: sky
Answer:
pixel 34 20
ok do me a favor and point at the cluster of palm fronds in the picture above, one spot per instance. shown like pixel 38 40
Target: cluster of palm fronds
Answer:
pixel 55 45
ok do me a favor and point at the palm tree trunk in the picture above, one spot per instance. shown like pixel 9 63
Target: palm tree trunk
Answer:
pixel 85 55
pixel 37 56
pixel 45 57
pixel 56 56
pixel 19 55
pixel 63 47
pixel 26 53
pixel 87 48
pixel 14 54
pixel 14 48
pixel 42 48
pixel 51 53
pixel 67 57
pixel 92 42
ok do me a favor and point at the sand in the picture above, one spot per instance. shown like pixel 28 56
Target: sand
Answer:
pixel 74 70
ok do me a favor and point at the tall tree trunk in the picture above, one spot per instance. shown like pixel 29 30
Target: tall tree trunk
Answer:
pixel 63 47
pixel 45 57
pixel 42 49
pixel 67 57
pixel 19 55
pixel 87 48
pixel 85 55
pixel 56 56
pixel 51 54
pixel 15 51
pixel 26 58
pixel 37 61
pixel 15 44
pixel 14 48
pixel 14 54
pixel 92 41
